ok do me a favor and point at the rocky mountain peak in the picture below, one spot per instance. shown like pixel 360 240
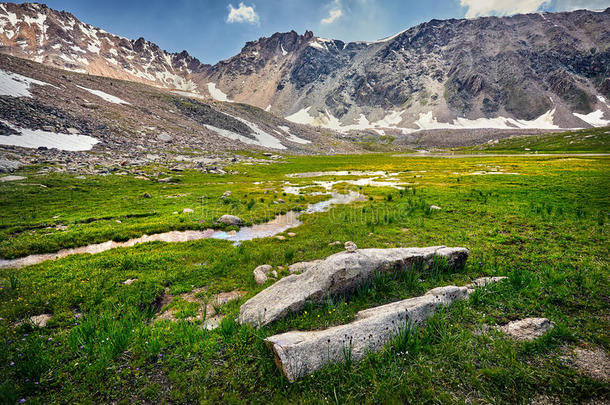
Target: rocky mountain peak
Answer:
pixel 544 70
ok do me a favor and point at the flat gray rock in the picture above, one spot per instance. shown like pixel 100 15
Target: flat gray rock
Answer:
pixel 300 353
pixel 338 274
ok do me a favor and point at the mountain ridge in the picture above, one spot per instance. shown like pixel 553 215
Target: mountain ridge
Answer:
pixel 542 70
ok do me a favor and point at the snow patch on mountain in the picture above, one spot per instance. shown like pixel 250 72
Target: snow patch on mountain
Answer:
pixel 16 85
pixel 595 118
pixel 545 121
pixel 327 120
pixel 107 97
pixel 35 138
pixel 216 93
pixel 293 138
pixel 262 138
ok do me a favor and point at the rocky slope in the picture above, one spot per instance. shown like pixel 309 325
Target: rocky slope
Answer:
pixel 537 71
pixel 545 71
pixel 52 115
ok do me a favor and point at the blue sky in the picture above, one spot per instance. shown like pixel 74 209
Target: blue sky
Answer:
pixel 212 30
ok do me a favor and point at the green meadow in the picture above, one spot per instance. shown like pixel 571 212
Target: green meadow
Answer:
pixel 542 221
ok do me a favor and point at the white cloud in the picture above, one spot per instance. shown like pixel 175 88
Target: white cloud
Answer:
pixel 332 16
pixel 242 14
pixel 478 8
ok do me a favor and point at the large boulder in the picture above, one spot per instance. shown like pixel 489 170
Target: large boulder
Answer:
pixel 230 220
pixel 300 353
pixel 339 274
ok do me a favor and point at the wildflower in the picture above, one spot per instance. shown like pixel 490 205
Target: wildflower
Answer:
pixel 22 400
pixel 82 347
pixel 50 339
pixel 12 363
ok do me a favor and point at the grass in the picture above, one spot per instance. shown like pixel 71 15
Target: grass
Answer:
pixel 545 228
pixel 593 140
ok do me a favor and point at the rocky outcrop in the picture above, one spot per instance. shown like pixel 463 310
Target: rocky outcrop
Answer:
pixel 340 273
pixel 300 353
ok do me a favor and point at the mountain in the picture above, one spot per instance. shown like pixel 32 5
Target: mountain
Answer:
pixel 547 71
pixel 48 115
pixel 537 70
pixel 56 38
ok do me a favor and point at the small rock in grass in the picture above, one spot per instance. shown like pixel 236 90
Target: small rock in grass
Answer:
pixel 213 322
pixel 146 195
pixel 188 211
pixel 130 281
pixel 166 180
pixel 11 178
pixel 261 273
pixel 334 243
pixel 280 237
pixel 226 194
pixel 230 220
pixel 41 320
pixel 291 234
pixel 350 246
pixel 527 329
pixel 435 208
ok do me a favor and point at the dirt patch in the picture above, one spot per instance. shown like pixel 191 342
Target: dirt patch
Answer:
pixel 593 362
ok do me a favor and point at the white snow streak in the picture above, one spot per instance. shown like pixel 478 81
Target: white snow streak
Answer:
pixel 31 138
pixel 16 85
pixel 216 93
pixel 108 97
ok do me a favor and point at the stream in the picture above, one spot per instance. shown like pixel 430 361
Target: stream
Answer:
pixel 274 227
